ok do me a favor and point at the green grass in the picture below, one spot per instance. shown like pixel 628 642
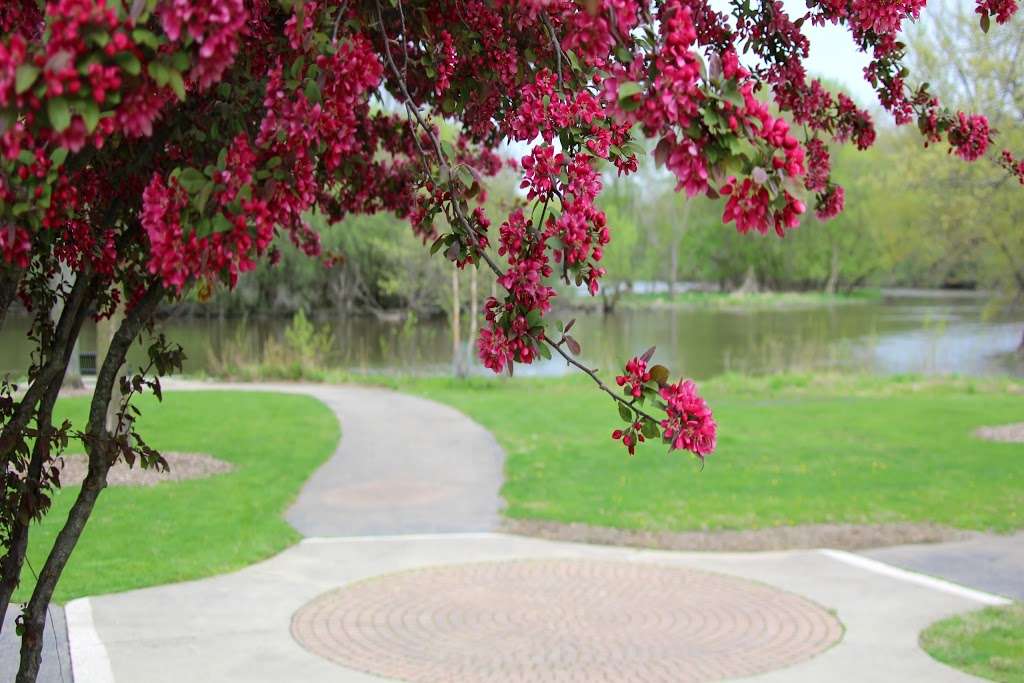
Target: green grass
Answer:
pixel 792 450
pixel 142 536
pixel 753 301
pixel 988 643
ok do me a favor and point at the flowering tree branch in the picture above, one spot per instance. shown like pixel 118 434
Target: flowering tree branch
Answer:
pixel 170 146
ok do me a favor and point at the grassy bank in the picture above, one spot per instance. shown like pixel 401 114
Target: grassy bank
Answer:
pixel 742 301
pixel 988 643
pixel 792 450
pixel 142 536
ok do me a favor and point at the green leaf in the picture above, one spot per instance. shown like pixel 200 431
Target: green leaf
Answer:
pixel 148 38
pixel 90 112
pixel 448 149
pixel 629 88
pixel 58 156
pixel 181 61
pixel 159 73
pixel 129 62
pixel 221 223
pixel 465 175
pixel 625 413
pixel 650 429
pixel 59 112
pixel 203 196
pixel 543 350
pixel 24 77
pixel 192 180
pixel 177 83
pixel 312 91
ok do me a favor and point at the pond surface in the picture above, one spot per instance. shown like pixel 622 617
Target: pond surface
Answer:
pixel 903 332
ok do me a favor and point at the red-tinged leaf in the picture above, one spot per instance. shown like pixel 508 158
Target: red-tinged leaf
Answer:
pixel 659 373
pixel 573 345
pixel 568 325
pixel 986 22
pixel 648 354
pixel 661 152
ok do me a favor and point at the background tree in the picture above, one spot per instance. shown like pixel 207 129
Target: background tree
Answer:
pixel 158 148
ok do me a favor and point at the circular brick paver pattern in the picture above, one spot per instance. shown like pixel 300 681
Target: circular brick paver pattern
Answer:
pixel 562 620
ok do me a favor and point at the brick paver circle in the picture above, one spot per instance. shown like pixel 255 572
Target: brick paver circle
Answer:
pixel 562 620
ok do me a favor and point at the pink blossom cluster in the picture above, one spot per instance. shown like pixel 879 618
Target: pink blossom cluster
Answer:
pixel 215 26
pixel 15 246
pixel 635 377
pixel 631 437
pixel 969 136
pixel 689 424
pixel 1002 10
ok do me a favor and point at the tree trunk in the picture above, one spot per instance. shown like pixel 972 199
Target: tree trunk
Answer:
pixel 14 558
pixel 456 325
pixel 66 339
pixel 749 285
pixel 677 238
pixel 75 308
pixel 98 446
pixel 473 308
pixel 833 272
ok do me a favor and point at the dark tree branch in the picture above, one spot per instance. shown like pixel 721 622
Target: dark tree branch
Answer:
pixel 597 380
pixel 54 366
pixel 557 48
pixel 9 278
pixel 14 558
pixel 442 159
pixel 98 444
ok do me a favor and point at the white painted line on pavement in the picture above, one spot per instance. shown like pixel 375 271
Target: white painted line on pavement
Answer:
pixel 914 577
pixel 457 535
pixel 89 660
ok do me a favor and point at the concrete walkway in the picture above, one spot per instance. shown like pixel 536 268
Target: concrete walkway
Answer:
pixel 415 484
pixel 237 627
pixel 991 563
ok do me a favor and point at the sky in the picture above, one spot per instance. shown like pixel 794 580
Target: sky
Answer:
pixel 832 56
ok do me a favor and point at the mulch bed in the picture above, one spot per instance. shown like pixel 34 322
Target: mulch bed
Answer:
pixel 840 536
pixel 1012 433
pixel 182 466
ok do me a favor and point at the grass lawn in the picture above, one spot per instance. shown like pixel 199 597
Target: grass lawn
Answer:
pixel 792 450
pixel 989 643
pixel 141 536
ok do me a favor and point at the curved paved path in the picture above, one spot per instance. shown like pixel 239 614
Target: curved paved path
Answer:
pixel 404 465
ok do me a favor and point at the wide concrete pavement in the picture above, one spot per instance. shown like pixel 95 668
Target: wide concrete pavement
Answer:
pixel 237 627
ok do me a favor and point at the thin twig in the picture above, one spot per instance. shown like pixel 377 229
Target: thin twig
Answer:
pixel 442 159
pixel 597 380
pixel 557 46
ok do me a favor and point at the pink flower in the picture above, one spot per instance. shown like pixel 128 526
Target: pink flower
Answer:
pixel 636 375
pixel 969 137
pixel 689 425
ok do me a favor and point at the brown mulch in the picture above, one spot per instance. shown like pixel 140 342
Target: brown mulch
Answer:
pixel 182 466
pixel 839 536
pixel 1012 433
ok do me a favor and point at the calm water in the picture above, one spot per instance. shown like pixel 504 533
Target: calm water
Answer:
pixel 916 332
